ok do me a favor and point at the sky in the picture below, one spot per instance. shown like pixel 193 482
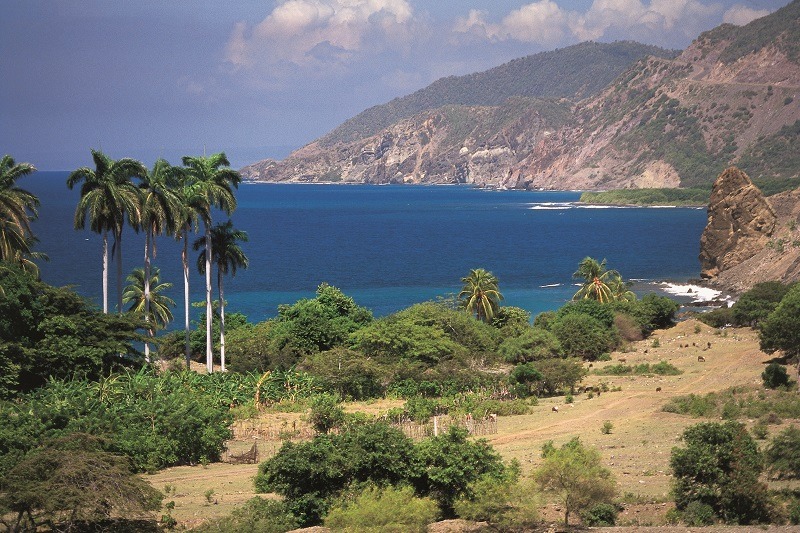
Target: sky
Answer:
pixel 256 79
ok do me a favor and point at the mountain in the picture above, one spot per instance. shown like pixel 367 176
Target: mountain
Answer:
pixel 732 97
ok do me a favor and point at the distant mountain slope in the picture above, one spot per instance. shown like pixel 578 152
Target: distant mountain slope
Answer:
pixel 574 72
pixel 732 97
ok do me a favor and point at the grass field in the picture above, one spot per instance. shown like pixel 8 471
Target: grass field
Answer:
pixel 637 449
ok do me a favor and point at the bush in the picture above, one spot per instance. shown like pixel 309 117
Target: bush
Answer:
pixel 755 305
pixel 600 515
pixel 559 374
pixel 584 336
pixel 346 373
pixel 775 376
pixel 505 503
pixel 326 413
pixel 781 329
pixel 783 454
pixel 534 344
pixel 257 514
pixel 377 510
pixel 574 474
pixel 72 480
pixel 698 514
pixel 720 468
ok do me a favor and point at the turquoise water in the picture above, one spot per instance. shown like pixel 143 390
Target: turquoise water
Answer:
pixel 392 246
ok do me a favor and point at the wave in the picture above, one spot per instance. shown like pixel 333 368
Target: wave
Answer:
pixel 550 285
pixel 695 292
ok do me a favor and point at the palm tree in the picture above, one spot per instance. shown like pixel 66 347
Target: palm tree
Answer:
pixel 18 208
pixel 621 289
pixel 107 197
pixel 211 180
pixel 159 210
pixel 480 295
pixel 191 206
pixel 155 306
pixel 596 279
pixel 228 256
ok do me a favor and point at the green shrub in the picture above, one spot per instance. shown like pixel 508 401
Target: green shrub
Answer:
pixel 775 376
pixel 698 514
pixel 794 512
pixel 582 335
pixel 504 503
pixel 326 413
pixel 377 510
pixel 257 514
pixel 783 454
pixel 600 515
pixel 720 468
pixel 607 427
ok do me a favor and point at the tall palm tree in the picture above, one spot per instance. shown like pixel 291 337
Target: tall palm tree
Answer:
pixel 596 279
pixel 212 181
pixel 191 206
pixel 159 211
pixel 155 306
pixel 480 295
pixel 228 256
pixel 107 197
pixel 621 289
pixel 18 208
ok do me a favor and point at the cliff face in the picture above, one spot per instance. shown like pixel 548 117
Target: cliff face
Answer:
pixel 749 238
pixel 732 97
pixel 740 223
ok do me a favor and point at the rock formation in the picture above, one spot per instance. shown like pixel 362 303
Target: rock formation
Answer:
pixel 740 223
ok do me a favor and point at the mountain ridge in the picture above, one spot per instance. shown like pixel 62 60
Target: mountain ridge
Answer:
pixel 732 97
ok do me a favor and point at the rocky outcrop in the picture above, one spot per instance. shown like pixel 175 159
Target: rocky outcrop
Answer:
pixel 740 223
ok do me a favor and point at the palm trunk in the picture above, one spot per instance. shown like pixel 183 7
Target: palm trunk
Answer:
pixel 185 260
pixel 119 271
pixel 147 291
pixel 221 320
pixel 105 272
pixel 209 310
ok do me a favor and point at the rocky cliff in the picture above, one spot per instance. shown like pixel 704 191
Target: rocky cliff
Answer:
pixel 749 238
pixel 732 97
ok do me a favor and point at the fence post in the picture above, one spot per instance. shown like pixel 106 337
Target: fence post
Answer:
pixel 435 426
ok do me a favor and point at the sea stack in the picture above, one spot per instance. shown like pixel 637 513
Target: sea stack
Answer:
pixel 740 223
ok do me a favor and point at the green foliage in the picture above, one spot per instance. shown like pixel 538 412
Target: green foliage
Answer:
pixel 749 404
pixel 48 332
pixel 775 376
pixel 309 474
pixel 773 161
pixel 526 378
pixel 480 295
pixel 575 476
pixel 532 345
pixel 720 467
pixel 558 375
pixel 783 454
pixel 257 514
pixel 698 514
pixel 601 312
pixel 326 413
pixel 386 509
pixel 451 463
pixel 607 427
pixel 600 515
pixel 72 480
pixel 777 29
pixel 781 329
pixel 651 312
pixel 158 421
pixel 662 368
pixel 504 503
pixel 755 305
pixel 582 335
pixel 346 373
pixel 511 321
pixel 717 318
pixel 688 197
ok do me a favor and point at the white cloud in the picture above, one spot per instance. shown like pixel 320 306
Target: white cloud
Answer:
pixel 313 33
pixel 542 22
pixel 741 15
pixel 546 23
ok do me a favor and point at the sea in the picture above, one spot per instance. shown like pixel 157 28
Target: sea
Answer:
pixel 391 246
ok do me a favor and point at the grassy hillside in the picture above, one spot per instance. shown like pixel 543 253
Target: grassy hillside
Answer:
pixel 573 72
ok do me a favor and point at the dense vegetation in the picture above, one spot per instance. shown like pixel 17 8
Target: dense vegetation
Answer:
pixel 689 197
pixel 592 67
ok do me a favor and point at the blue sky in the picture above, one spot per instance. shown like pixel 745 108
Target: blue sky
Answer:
pixel 150 78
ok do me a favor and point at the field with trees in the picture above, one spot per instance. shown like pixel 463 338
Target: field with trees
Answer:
pixel 605 411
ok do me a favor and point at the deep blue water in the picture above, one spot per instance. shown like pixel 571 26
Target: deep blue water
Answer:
pixel 390 246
